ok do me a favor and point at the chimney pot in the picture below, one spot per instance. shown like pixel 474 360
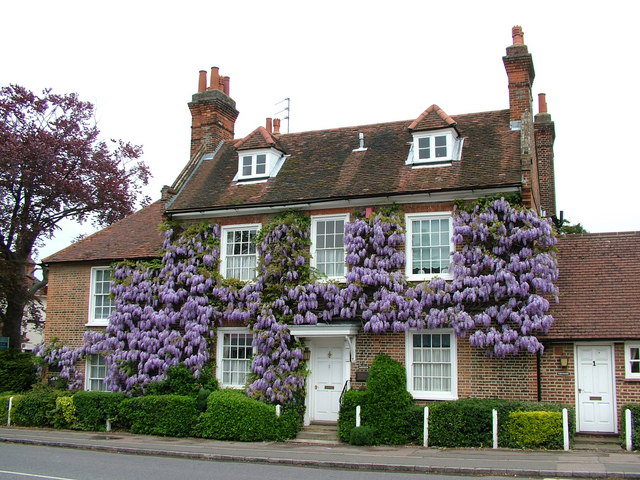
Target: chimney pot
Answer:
pixel 276 125
pixel 269 126
pixel 202 81
pixel 542 103
pixel 225 83
pixel 368 212
pixel 518 35
pixel 215 79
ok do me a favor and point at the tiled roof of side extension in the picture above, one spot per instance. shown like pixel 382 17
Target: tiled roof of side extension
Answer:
pixel 599 290
pixel 135 236
pixel 323 166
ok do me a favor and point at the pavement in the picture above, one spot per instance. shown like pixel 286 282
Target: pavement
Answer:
pixel 410 459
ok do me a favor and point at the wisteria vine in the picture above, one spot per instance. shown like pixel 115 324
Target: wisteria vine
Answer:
pixel 504 272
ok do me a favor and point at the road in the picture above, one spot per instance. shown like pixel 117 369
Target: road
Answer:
pixel 26 462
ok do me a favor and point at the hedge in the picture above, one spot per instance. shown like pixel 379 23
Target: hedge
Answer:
pixel 347 418
pixel 469 423
pixel 36 408
pixel 635 425
pixel 535 429
pixel 92 409
pixel 231 415
pixel 4 406
pixel 165 415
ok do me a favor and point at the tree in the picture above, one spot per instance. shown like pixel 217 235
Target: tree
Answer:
pixel 54 166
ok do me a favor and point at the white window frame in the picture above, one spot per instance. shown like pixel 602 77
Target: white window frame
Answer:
pixel 220 354
pixel 411 217
pixel 88 374
pixel 432 395
pixel 92 320
pixel 453 144
pixel 628 374
pixel 314 231
pixel 271 163
pixel 223 245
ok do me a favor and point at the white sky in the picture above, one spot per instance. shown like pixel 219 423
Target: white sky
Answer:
pixel 343 63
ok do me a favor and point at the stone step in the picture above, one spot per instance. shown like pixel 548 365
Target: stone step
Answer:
pixel 596 442
pixel 318 433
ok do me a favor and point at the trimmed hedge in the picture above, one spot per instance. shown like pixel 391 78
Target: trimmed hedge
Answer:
pixel 231 415
pixel 94 408
pixel 347 418
pixel 181 381
pixel 36 408
pixel 635 425
pixel 17 371
pixel 535 429
pixel 468 423
pixel 164 415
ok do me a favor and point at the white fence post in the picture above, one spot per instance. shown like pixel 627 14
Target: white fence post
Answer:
pixel 495 428
pixel 425 432
pixel 628 429
pixel 565 428
pixel 108 425
pixel 278 412
pixel 358 416
pixel 9 411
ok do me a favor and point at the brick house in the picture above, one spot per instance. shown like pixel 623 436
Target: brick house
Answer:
pixel 423 165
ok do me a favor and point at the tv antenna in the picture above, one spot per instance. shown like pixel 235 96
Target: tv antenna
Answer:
pixel 286 109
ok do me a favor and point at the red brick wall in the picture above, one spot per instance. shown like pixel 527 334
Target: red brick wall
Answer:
pixel 68 302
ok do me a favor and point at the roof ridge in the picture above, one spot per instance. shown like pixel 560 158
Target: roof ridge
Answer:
pixel 433 108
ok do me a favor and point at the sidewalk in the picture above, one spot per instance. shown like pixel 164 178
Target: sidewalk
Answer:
pixel 477 462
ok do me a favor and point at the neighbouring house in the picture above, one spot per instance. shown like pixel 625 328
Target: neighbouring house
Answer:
pixel 422 165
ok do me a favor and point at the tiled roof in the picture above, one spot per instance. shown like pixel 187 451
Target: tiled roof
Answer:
pixel 136 236
pixel 323 166
pixel 259 138
pixel 432 117
pixel 599 287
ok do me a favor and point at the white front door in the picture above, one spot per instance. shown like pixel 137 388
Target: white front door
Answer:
pixel 596 402
pixel 327 375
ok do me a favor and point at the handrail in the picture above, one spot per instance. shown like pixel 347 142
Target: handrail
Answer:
pixel 344 389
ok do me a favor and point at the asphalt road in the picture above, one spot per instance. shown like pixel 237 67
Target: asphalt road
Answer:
pixel 21 462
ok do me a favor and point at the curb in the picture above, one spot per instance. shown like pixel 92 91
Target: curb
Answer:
pixel 371 467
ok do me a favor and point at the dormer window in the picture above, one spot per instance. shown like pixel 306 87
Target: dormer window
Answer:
pixel 435 148
pixel 259 164
pixel 254 165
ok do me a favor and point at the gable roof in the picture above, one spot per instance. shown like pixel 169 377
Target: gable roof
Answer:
pixel 432 118
pixel 599 289
pixel 322 165
pixel 259 138
pixel 135 236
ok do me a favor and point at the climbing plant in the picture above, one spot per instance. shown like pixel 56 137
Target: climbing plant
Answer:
pixel 504 272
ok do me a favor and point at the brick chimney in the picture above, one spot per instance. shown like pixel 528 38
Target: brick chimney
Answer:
pixel 545 135
pixel 520 72
pixel 213 112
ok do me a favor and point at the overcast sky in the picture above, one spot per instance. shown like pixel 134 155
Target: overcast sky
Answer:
pixel 343 63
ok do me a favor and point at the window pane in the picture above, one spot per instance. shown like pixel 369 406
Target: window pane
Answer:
pixel 431 363
pixel 430 246
pixel 236 358
pixel 241 259
pixel 329 247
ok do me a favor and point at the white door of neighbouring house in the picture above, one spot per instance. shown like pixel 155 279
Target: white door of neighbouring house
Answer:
pixel 327 378
pixel 595 390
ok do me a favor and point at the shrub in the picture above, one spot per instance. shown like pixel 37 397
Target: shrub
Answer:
pixel 181 381
pixel 535 429
pixel 166 415
pixel 362 436
pixel 635 425
pixel 387 402
pixel 64 415
pixel 347 417
pixel 17 371
pixel 231 415
pixel 415 419
pixel 94 408
pixel 36 408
